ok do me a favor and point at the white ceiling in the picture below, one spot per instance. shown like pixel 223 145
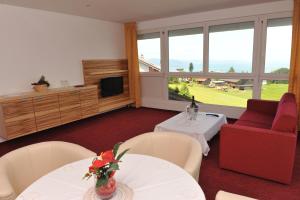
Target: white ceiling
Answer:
pixel 130 10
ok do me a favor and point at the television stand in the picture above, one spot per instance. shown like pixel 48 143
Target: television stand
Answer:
pixel 115 102
pixel 95 70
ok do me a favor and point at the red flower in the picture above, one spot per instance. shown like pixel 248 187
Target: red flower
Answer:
pixel 91 169
pixel 99 163
pixel 108 156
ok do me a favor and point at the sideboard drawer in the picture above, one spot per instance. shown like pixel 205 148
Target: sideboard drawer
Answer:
pixel 46 109
pixel 47 120
pixel 89 94
pixel 88 110
pixel 20 127
pixel 89 102
pixel 18 107
pixel 69 98
pixel 69 106
pixel 46 103
pixel 69 114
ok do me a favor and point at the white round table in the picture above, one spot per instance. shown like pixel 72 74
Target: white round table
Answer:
pixel 148 177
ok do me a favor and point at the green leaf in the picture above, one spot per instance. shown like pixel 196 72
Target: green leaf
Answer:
pixel 121 154
pixel 102 181
pixel 113 167
pixel 116 148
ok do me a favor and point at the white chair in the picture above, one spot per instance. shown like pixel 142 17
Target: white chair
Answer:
pixel 222 195
pixel 21 167
pixel 177 148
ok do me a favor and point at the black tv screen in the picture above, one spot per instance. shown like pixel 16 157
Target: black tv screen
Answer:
pixel 111 86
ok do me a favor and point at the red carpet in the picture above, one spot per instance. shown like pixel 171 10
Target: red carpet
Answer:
pixel 102 132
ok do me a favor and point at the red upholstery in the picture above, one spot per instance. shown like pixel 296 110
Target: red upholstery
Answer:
pixel 286 118
pixel 258 118
pixel 253 124
pixel 263 141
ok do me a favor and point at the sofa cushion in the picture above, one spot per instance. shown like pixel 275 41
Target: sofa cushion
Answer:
pixel 257 118
pixel 253 124
pixel 286 117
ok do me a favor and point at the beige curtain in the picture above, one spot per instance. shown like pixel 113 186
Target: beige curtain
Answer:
pixel 133 63
pixel 294 80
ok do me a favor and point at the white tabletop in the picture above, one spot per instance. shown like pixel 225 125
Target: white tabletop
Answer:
pixel 149 178
pixel 204 128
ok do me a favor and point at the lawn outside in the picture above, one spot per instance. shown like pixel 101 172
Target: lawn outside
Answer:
pixel 230 96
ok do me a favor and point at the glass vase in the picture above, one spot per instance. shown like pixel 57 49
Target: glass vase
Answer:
pixel 106 191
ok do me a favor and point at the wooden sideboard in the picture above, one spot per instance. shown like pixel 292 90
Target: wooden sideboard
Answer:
pixel 29 112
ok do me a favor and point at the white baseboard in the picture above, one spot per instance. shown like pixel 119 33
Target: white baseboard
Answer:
pixel 2 140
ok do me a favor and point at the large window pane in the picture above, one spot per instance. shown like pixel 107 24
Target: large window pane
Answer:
pixel 186 50
pixel 149 52
pixel 278 49
pixel 273 89
pixel 229 92
pixel 231 47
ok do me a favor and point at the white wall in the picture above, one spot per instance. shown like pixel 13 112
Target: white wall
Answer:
pixel 35 42
pixel 154 91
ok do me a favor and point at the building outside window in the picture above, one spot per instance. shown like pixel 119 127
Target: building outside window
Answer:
pixel 149 52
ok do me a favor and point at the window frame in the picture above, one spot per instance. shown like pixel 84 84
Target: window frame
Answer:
pixel 258 57
pixel 262 75
pixel 161 52
pixel 173 28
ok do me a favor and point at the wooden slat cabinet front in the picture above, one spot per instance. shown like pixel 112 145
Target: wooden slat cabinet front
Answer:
pixel 30 112
pixel 17 118
pixel 69 106
pixel 18 107
pixel 20 127
pixel 89 102
pixel 46 108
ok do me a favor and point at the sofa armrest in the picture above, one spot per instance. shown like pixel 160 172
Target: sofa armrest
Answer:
pixel 265 106
pixel 259 152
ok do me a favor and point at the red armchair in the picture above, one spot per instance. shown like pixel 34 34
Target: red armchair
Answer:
pixel 263 141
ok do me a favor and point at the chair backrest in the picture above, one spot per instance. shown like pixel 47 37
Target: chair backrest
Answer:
pixel 173 147
pixel 23 166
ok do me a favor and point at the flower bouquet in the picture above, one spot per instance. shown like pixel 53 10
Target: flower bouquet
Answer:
pixel 103 168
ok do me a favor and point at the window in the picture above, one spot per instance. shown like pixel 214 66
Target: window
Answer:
pixel 186 50
pixel 278 46
pixel 223 63
pixel 149 52
pixel 231 48
pixel 273 89
pixel 228 92
pixel 277 59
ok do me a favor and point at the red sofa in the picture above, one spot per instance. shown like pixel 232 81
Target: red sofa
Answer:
pixel 263 141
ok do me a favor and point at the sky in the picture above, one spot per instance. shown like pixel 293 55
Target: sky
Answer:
pixel 224 46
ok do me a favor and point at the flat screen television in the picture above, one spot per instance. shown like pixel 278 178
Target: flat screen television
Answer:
pixel 111 86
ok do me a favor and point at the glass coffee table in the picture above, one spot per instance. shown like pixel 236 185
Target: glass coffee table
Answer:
pixel 204 128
